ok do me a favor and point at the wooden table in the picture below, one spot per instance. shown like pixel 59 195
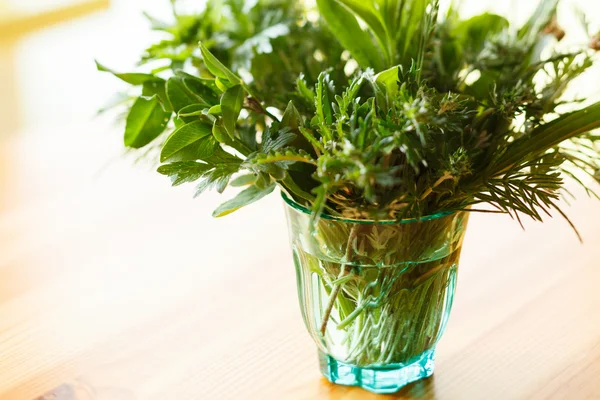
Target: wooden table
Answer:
pixel 117 287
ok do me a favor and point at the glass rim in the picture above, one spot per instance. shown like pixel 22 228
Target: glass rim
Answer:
pixel 298 207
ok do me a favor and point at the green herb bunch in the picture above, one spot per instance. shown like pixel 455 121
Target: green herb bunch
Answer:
pixel 371 109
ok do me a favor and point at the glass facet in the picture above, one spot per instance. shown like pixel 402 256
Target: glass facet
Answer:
pixel 376 296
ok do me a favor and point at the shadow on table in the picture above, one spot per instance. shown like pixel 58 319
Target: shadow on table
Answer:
pixel 424 389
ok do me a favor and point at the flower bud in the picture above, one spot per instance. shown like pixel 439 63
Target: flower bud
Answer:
pixel 254 105
pixel 554 29
pixel 595 43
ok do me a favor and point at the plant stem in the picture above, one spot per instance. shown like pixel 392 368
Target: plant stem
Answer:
pixel 343 273
pixel 270 115
pixel 445 177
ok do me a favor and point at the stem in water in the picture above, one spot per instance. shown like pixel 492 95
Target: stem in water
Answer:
pixel 343 272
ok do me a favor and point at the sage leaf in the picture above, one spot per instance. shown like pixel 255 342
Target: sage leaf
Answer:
pixel 184 172
pixel 244 198
pixel 244 180
pixel 145 122
pixel 217 178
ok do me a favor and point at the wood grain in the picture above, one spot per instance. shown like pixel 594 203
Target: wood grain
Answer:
pixel 118 287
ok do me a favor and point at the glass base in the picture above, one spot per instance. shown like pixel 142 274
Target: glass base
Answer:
pixel 380 380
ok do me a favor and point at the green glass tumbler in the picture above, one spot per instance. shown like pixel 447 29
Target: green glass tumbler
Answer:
pixel 376 296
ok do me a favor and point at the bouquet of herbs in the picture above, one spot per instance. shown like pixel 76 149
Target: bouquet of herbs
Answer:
pixel 367 110
pixel 370 110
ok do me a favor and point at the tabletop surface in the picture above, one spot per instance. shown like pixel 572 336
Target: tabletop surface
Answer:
pixel 113 286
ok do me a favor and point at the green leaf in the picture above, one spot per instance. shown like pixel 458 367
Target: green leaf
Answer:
pixel 284 156
pixel 306 93
pixel 451 57
pixel 291 118
pixel 135 79
pixel 184 172
pixel 145 122
pixel 193 110
pixel 550 135
pixel 179 122
pixel 318 204
pixel 473 33
pixel 244 180
pixel 217 178
pixel 220 133
pixel 366 11
pixel 215 110
pixel 205 89
pixel 323 106
pixel 543 14
pixel 221 183
pixel 295 190
pixel 483 87
pixel 221 158
pixel 191 137
pixel 406 18
pixel 282 139
pixel 223 84
pixel 216 67
pixel 180 96
pixel 231 106
pixel 246 197
pixel 157 88
pixel 310 137
pixel 389 79
pixel 209 83
pixel 346 28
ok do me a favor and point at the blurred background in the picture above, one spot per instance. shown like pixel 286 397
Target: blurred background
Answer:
pixel 92 245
